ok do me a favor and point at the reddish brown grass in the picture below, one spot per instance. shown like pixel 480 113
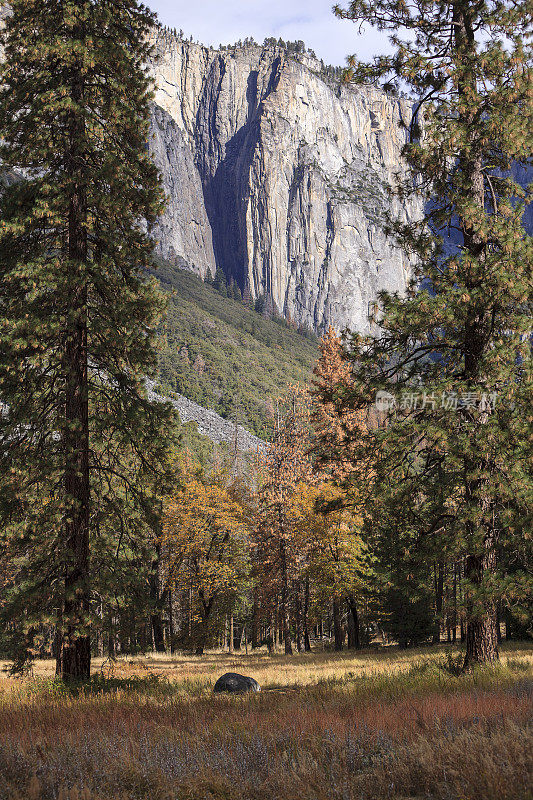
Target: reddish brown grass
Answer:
pixel 424 734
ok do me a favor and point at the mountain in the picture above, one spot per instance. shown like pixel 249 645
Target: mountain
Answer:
pixel 225 356
pixel 277 175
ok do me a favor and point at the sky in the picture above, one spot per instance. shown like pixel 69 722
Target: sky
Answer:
pixel 214 22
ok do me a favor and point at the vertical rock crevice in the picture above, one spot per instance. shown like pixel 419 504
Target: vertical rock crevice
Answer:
pixel 292 175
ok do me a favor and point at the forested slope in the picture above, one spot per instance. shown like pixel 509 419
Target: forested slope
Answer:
pixel 227 357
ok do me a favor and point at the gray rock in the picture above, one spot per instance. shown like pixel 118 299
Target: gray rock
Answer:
pixel 209 423
pixel 292 170
pixel 236 684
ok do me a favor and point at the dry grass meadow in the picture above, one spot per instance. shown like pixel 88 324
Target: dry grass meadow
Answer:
pixel 365 726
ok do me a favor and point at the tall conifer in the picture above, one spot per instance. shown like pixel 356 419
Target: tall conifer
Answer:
pixel 76 313
pixel 455 351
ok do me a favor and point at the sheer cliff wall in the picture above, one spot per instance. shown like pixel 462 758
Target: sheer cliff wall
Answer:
pixel 278 176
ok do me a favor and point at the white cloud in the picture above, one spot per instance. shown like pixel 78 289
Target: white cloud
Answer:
pixel 226 21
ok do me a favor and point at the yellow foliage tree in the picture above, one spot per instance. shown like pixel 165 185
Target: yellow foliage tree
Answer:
pixel 327 527
pixel 205 537
pixel 285 464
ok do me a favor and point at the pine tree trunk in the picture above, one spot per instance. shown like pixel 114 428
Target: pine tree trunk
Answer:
pixel 189 612
pixel 170 621
pixel 231 643
pixel 454 634
pixel 206 606
pixel 481 634
pixel 274 628
pixel 112 639
pixel 498 622
pixel 298 612
pixel 307 643
pixel 439 591
pixel 507 618
pixel 350 628
pixel 76 646
pixel 202 637
pixel 100 636
pixel 58 648
pixel 156 602
pixel 256 636
pixel 286 630
pixel 158 638
pixel 284 605
pixel 481 637
pixel 237 640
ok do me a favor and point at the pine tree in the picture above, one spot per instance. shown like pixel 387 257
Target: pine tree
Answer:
pixel 220 281
pixel 459 340
pixel 76 313
pixel 403 559
pixel 247 297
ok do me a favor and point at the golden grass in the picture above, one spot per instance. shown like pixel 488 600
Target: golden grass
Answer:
pixel 277 670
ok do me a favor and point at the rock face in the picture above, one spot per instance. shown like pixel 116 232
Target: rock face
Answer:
pixel 278 177
pixel 184 230
pixel 236 684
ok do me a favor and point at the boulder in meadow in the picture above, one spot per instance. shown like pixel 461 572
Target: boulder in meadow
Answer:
pixel 236 684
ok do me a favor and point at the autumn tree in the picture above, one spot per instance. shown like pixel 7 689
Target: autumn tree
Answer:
pixel 454 351
pixel 331 423
pixel 337 432
pixel 204 537
pixel 77 315
pixel 283 467
pixel 327 528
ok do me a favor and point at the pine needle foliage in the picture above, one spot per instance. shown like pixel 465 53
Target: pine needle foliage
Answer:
pixel 454 456
pixel 78 437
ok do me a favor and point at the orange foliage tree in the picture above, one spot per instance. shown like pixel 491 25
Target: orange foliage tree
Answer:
pixel 336 429
pixel 283 467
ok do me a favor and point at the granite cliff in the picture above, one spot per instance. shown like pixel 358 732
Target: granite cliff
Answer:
pixel 277 175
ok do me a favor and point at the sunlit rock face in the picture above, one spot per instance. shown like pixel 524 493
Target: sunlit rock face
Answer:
pixel 278 176
pixel 183 233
